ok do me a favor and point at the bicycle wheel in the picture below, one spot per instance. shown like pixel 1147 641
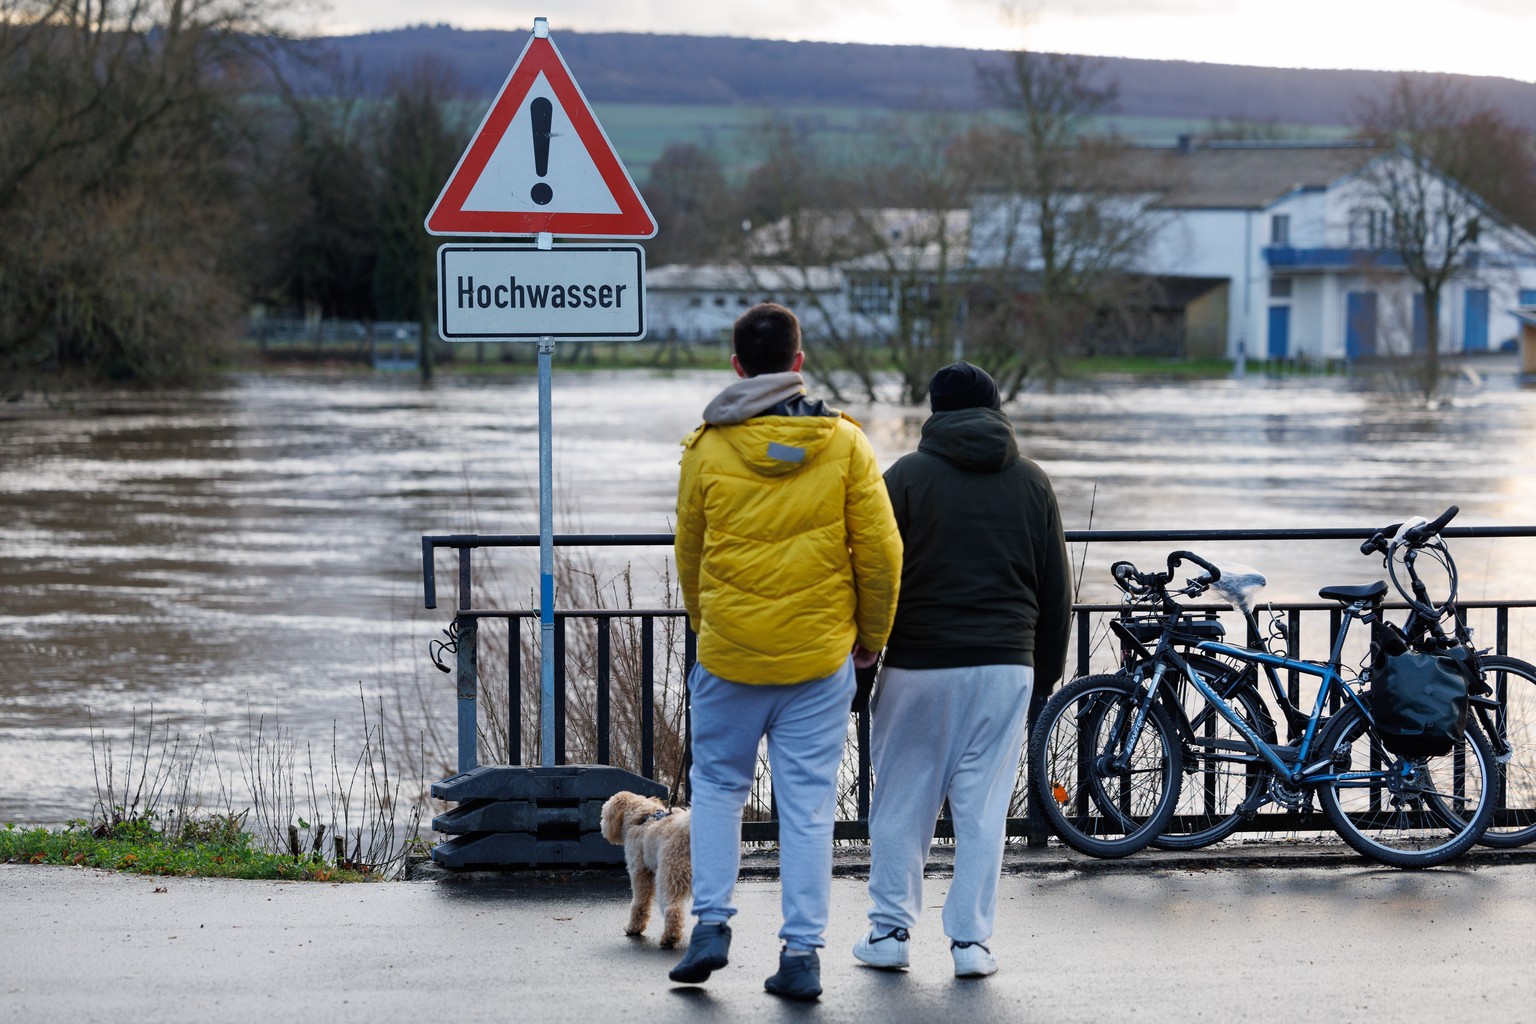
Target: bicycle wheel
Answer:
pixel 1222 770
pixel 1514 722
pixel 1424 812
pixel 1095 808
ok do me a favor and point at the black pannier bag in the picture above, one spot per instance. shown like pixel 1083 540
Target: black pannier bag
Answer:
pixel 1419 700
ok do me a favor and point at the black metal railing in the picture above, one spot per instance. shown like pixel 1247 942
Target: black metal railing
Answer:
pixel 649 685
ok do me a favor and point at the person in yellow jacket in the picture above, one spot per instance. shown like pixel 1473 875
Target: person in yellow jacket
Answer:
pixel 789 561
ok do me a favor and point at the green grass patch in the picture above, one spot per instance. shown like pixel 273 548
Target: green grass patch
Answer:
pixel 211 848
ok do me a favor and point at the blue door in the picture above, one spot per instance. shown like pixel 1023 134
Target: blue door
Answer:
pixel 1279 331
pixel 1474 324
pixel 1420 325
pixel 1360 325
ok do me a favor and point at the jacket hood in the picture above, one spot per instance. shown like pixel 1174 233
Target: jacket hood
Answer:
pixel 978 440
pixel 770 422
pixel 752 395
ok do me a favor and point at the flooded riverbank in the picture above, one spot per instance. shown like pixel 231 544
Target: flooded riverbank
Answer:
pixel 254 547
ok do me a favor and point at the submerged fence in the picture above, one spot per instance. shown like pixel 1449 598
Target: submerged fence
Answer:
pixel 619 695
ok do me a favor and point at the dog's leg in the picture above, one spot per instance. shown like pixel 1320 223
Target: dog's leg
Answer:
pixel 643 881
pixel 675 881
pixel 674 906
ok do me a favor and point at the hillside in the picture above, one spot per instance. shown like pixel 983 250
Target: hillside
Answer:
pixel 702 70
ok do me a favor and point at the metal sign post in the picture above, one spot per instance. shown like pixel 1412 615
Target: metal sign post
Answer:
pixel 546 558
pixel 539 165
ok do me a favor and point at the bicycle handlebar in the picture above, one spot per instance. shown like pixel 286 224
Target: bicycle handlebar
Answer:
pixel 1140 584
pixel 1415 536
pixel 1188 556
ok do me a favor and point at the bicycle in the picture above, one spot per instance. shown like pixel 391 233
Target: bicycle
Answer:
pixel 1506 714
pixel 1119 741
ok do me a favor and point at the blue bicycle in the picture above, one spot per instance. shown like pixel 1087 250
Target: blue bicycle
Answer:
pixel 1110 755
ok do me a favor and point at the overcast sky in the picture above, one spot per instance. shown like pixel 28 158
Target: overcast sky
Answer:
pixel 1487 37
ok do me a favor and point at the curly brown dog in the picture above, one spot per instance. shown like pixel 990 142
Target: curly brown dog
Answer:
pixel 655 842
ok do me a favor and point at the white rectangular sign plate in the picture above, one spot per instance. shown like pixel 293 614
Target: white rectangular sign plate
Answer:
pixel 517 292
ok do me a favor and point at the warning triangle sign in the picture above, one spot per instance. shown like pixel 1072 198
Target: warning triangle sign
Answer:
pixel 540 162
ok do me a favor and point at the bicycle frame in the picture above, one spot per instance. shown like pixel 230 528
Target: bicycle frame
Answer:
pixel 1296 772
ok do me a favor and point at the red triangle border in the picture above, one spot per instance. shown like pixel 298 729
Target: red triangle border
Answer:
pixel 448 216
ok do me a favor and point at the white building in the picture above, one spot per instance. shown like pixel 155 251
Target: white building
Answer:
pixel 1287 245
pixel 870 255
pixel 700 303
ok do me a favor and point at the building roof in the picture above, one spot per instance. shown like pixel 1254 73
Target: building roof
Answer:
pixel 736 277
pixel 840 233
pixel 1243 175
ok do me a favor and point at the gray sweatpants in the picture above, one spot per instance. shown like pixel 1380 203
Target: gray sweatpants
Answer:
pixel 805 725
pixel 937 733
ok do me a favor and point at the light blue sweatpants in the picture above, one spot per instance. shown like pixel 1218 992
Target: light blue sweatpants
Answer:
pixel 805 724
pixel 936 733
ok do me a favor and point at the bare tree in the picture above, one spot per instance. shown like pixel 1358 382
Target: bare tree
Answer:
pixel 1428 186
pixel 688 195
pixel 873 251
pixel 420 140
pixel 317 183
pixel 1065 223
pixel 119 125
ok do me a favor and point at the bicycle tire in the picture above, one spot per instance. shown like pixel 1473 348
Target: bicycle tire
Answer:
pixel 1080 725
pixel 1514 813
pixel 1423 826
pixel 1222 770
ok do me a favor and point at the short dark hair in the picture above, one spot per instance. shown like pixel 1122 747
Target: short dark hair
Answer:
pixel 766 338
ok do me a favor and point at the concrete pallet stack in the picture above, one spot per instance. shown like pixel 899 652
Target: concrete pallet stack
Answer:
pixel 515 817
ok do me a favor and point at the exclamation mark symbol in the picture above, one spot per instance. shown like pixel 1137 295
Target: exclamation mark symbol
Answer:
pixel 543 113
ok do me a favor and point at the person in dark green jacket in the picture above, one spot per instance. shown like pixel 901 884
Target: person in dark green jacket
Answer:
pixel 982 619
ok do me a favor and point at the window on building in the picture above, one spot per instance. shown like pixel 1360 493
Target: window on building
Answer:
pixel 1280 229
pixel 1279 287
pixel 1368 229
pixel 694 300
pixel 720 300
pixel 870 296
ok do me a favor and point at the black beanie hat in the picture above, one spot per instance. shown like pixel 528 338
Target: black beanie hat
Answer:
pixel 962 386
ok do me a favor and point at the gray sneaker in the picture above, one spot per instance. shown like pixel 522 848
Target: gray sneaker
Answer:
pixel 708 949
pixel 799 977
pixel 887 952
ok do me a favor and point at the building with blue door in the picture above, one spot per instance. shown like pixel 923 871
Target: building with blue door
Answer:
pixel 1300 239
pixel 1257 250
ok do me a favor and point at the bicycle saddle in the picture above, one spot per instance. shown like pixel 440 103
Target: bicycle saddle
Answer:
pixel 1361 592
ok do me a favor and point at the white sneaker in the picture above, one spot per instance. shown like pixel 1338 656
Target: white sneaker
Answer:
pixel 972 960
pixel 887 952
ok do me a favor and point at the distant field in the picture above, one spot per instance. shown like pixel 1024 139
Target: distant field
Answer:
pixel 640 131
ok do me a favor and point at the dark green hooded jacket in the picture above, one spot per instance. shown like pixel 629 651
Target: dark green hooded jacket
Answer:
pixel 985 578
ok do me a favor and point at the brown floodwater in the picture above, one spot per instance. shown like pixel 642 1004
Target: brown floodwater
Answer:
pixel 253 549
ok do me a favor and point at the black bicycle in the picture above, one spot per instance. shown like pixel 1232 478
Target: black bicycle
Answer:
pixel 1502 692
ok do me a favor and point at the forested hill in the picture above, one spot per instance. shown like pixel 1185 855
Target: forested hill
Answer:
pixel 615 67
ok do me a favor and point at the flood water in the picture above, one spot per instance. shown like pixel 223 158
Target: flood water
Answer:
pixel 254 549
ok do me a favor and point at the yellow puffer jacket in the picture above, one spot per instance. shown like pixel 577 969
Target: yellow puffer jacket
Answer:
pixel 787 549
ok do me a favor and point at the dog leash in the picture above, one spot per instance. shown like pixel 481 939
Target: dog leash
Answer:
pixel 682 773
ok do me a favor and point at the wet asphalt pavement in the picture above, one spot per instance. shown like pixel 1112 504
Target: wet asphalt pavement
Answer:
pixel 1311 933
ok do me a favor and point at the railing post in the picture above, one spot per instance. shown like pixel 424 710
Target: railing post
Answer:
pixel 648 697
pixel 468 669
pixel 558 715
pixel 604 655
pixel 514 690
